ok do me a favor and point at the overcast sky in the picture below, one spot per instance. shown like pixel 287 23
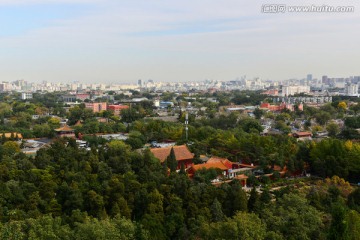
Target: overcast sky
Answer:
pixel 120 41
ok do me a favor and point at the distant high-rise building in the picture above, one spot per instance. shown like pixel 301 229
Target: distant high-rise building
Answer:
pixel 20 83
pixel 5 86
pixel 325 80
pixel 139 83
pixel 309 77
pixel 73 86
pixel 355 79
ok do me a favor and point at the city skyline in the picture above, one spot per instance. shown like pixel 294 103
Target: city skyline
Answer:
pixel 122 41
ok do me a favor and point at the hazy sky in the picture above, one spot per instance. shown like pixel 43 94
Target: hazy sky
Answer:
pixel 173 40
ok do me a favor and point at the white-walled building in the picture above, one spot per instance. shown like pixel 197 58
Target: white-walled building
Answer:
pixel 5 86
pixel 351 89
pixel 291 90
pixel 26 95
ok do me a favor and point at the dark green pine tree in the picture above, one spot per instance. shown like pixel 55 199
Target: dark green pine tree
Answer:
pixel 72 143
pixel 238 197
pixel 216 211
pixel 153 219
pixel 12 137
pixel 265 197
pixel 174 217
pixel 339 226
pixel 354 200
pixel 253 201
pixel 171 161
pixel 1 152
pixel 140 233
pixel 165 167
pixel 3 138
pixel 180 114
pixel 182 168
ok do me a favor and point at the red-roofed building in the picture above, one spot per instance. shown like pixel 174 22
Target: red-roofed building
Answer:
pixel 82 96
pixel 223 164
pixel 224 161
pixel 242 178
pixel 302 135
pixel 182 155
pixel 215 165
pixel 117 108
pixel 65 131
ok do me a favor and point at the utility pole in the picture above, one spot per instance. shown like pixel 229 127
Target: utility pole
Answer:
pixel 186 126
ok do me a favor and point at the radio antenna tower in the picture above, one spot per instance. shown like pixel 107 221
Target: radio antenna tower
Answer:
pixel 186 125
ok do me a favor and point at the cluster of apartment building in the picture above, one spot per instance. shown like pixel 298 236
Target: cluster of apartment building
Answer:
pixel 25 86
pixel 346 86
pixel 102 106
pixel 310 99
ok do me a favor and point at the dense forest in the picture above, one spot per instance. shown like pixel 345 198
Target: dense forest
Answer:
pixel 113 192
pixel 119 190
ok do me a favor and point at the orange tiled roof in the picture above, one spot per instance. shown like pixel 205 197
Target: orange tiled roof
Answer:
pixel 224 161
pixel 241 176
pixel 181 153
pixel 302 134
pixel 216 159
pixel 276 168
pixel 65 128
pixel 208 165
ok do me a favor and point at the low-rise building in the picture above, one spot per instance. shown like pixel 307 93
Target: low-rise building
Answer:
pixel 302 135
pixel 69 98
pixel 276 108
pixel 65 131
pixel 26 95
pixel 117 108
pixel 229 170
pixel 222 164
pixel 82 96
pixel 96 107
pixel 166 104
pixel 182 155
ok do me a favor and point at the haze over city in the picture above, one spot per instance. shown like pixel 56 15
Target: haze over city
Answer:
pixel 121 41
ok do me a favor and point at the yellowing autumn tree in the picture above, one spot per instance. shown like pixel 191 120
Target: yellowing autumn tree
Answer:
pixel 342 105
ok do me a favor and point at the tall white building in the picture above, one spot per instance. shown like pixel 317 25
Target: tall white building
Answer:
pixel 73 86
pixel 351 89
pixel 5 86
